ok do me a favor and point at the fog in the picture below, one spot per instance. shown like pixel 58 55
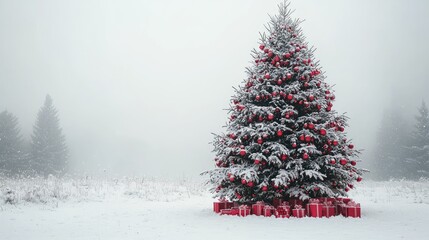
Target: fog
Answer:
pixel 141 85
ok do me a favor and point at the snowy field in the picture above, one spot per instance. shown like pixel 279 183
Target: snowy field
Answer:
pixel 135 208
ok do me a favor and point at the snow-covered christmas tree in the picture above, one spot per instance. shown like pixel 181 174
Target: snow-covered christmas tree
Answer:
pixel 283 138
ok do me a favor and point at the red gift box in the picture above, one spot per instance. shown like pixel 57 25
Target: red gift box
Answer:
pixel 258 208
pixel 282 211
pixel 298 211
pixel 229 211
pixel 222 204
pixel 329 209
pixel 295 201
pixel 243 210
pixel 268 211
pixel 352 209
pixel 339 205
pixel 314 208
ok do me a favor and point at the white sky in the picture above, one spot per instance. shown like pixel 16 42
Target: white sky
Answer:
pixel 140 85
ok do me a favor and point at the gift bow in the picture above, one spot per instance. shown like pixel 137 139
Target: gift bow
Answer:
pixel 313 200
pixel 243 207
pixel 351 203
pixel 298 206
pixel 260 202
pixel 329 203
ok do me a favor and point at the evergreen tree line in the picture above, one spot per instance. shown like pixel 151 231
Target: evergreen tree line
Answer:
pixel 46 153
pixel 402 151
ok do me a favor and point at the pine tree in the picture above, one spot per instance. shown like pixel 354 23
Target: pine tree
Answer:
pixel 49 150
pixel 283 139
pixel 10 143
pixel 390 153
pixel 419 156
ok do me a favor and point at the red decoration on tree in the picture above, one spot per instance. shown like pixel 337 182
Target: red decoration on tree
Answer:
pixel 305 156
pixel 262 46
pixel 322 132
pixel 279 133
pixel 343 161
pixel 243 152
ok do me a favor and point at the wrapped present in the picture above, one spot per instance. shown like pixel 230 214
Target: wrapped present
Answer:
pixel 268 210
pixel 314 208
pixel 243 210
pixel 281 214
pixel 282 211
pixel 258 208
pixel 329 209
pixel 339 205
pixel 221 204
pixel 229 211
pixel 295 201
pixel 298 211
pixel 352 209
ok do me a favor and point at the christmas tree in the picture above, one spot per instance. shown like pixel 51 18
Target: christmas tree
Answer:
pixel 49 150
pixel 419 161
pixel 283 138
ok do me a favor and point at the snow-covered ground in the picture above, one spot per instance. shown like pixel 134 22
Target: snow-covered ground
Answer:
pixel 148 209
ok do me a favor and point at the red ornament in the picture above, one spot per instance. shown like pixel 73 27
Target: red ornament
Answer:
pixel 243 181
pixel 283 157
pixel 316 189
pixel 276 58
pixel 301 138
pixel 294 145
pixel 262 46
pixel 296 69
pixel 305 125
pixel 270 116
pixel 242 152
pixel 257 161
pixel 264 188
pixel 353 163
pixel 260 141
pixel 270 54
pixel 289 97
pixel 343 161
pixel 257 98
pixel 333 161
pixel 279 133
pixel 351 146
pixel 305 156
pixel 287 55
pixel 250 184
pixel 267 76
pixel 287 116
pixel 289 76
pixel 311 98
pixel 266 50
pixel 328 108
pixel 307 138
pixel 359 179
pixel 322 131
pixel 311 126
pixel 279 82
pixel 232 136
pixel 232 179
